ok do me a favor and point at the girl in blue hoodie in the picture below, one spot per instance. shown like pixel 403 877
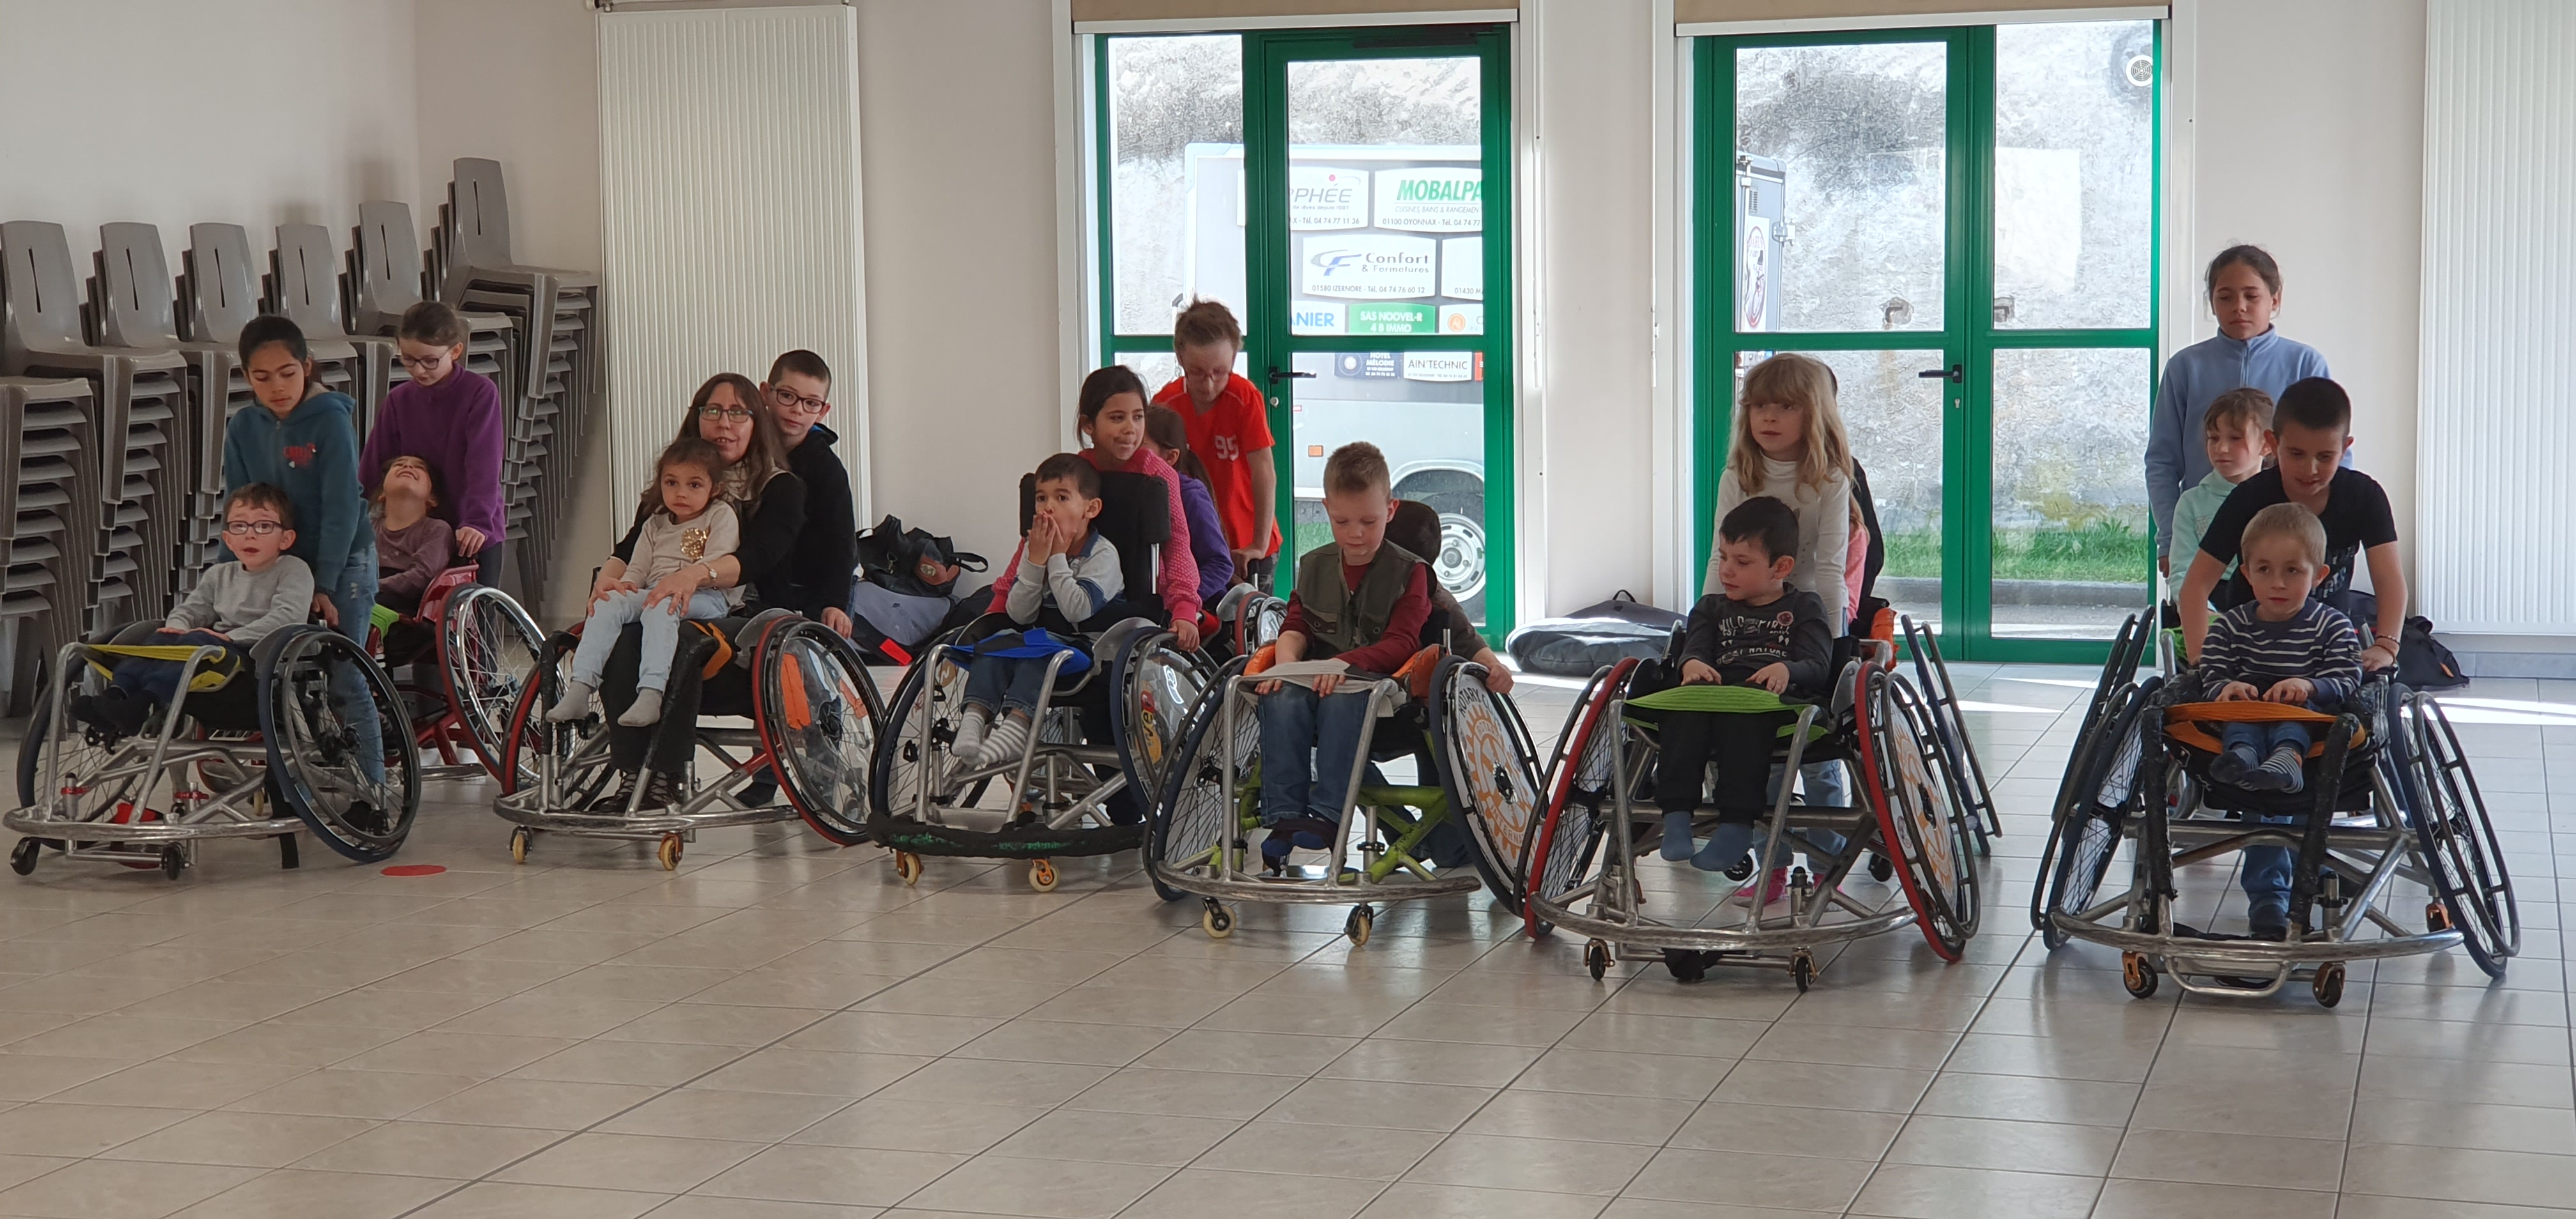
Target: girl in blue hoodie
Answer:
pixel 303 441
pixel 2244 286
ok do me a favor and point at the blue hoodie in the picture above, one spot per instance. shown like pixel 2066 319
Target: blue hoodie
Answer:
pixel 2177 453
pixel 312 455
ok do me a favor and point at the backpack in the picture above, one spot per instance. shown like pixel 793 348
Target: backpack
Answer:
pixel 914 562
pixel 2423 663
pixel 1581 642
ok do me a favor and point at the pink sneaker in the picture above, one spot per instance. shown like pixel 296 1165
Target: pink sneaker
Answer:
pixel 1772 892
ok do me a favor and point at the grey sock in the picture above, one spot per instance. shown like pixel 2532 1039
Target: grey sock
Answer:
pixel 645 712
pixel 2287 765
pixel 574 704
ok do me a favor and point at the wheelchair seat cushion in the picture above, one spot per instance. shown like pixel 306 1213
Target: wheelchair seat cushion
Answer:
pixel 1727 700
pixel 2189 723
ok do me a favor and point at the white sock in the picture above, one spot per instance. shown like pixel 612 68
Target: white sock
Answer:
pixel 645 712
pixel 574 704
pixel 1009 739
pixel 970 734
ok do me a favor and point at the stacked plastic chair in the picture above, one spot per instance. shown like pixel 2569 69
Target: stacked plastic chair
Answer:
pixel 387 276
pixel 557 316
pixel 218 294
pixel 304 286
pixel 133 303
pixel 140 395
pixel 49 496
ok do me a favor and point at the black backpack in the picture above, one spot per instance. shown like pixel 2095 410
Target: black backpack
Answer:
pixel 2423 663
pixel 907 560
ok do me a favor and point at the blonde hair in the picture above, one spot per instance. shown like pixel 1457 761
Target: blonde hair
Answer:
pixel 2292 521
pixel 1790 379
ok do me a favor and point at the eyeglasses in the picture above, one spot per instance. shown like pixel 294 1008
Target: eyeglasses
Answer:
pixel 252 529
pixel 790 400
pixel 718 414
pixel 423 363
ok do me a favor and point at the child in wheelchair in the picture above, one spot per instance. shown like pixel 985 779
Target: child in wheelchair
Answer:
pixel 412 546
pixel 1362 602
pixel 235 604
pixel 690 527
pixel 1067 574
pixel 1755 631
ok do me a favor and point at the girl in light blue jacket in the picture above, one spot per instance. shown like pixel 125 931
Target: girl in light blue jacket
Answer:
pixel 2244 286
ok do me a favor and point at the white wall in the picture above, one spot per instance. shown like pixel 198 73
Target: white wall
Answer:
pixel 175 112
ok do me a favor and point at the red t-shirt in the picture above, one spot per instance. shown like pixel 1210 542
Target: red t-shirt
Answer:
pixel 1225 436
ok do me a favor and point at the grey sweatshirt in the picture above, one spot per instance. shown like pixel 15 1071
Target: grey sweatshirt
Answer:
pixel 247 605
pixel 664 546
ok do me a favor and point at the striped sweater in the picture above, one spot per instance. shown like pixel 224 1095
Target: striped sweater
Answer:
pixel 2317 643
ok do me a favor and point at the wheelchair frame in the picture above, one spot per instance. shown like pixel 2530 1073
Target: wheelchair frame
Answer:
pixel 280 759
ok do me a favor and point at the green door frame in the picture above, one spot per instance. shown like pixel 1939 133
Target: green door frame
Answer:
pixel 1268 343
pixel 1968 342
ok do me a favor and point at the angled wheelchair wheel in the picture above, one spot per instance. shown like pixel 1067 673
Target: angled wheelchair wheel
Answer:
pixel 78 752
pixel 816 709
pixel 1942 786
pixel 1487 764
pixel 1913 813
pixel 1970 792
pixel 1579 791
pixel 1196 817
pixel 2101 791
pixel 487 647
pixel 338 742
pixel 2090 733
pixel 920 722
pixel 2455 837
pixel 527 736
pixel 1154 686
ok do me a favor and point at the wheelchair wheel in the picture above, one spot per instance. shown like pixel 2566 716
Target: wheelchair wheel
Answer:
pixel 816 709
pixel 1943 783
pixel 1154 685
pixel 1485 758
pixel 921 721
pixel 2102 789
pixel 80 754
pixel 1932 858
pixel 359 802
pixel 527 734
pixel 2457 839
pixel 1970 794
pixel 1579 788
pixel 487 646
pixel 1197 816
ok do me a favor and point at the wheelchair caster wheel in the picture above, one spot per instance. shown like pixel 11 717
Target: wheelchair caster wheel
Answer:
pixel 1881 868
pixel 908 866
pixel 1359 924
pixel 669 852
pixel 173 861
pixel 1802 969
pixel 2328 984
pixel 22 857
pixel 1596 958
pixel 2437 917
pixel 519 840
pixel 1740 869
pixel 1042 875
pixel 1685 965
pixel 2138 974
pixel 1217 921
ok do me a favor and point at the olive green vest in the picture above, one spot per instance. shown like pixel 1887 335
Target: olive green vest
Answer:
pixel 1339 617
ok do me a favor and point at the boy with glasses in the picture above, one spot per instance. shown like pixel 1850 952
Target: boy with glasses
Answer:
pixel 449 417
pixel 825 561
pixel 235 605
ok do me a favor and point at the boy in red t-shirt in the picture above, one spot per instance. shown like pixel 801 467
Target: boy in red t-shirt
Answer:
pixel 1229 427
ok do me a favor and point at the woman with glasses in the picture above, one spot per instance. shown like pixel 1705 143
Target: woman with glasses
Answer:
pixel 449 417
pixel 729 413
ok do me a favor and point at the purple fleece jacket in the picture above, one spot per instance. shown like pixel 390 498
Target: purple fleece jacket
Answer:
pixel 456 427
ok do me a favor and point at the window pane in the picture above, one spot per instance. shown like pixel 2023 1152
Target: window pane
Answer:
pixel 2070 507
pixel 1386 205
pixel 1426 410
pixel 1839 186
pixel 2074 173
pixel 1894 418
pixel 1175 176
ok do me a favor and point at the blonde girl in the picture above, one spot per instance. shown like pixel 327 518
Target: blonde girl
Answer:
pixel 1789 444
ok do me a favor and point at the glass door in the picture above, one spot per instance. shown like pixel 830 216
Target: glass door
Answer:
pixel 1335 192
pixel 1960 223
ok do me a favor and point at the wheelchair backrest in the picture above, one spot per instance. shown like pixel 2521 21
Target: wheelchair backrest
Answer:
pixel 1136 517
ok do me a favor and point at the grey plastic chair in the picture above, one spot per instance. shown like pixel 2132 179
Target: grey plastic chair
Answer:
pixel 386 277
pixel 304 287
pixel 49 500
pixel 134 303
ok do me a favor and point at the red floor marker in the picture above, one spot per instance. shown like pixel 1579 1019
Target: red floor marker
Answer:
pixel 414 869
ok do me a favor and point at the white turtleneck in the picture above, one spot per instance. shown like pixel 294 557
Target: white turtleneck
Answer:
pixel 1824 528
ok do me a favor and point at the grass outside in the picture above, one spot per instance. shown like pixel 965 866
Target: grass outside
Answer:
pixel 2107 553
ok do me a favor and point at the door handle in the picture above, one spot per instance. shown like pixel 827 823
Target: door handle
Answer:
pixel 1955 374
pixel 1278 374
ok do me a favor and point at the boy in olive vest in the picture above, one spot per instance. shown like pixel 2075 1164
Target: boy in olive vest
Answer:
pixel 1361 601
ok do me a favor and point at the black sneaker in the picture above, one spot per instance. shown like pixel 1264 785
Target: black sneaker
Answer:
pixel 2266 923
pixel 661 791
pixel 614 800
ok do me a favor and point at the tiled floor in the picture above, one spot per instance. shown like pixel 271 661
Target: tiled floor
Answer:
pixel 784 1031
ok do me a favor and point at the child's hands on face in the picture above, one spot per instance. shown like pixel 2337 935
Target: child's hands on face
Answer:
pixel 2237 692
pixel 1042 540
pixel 1773 677
pixel 1699 673
pixel 2291 690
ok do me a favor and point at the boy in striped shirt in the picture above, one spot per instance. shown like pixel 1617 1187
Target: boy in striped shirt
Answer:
pixel 2282 648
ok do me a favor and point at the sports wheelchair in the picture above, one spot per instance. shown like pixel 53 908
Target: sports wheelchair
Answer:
pixel 2390 813
pixel 1914 827
pixel 813 709
pixel 1107 719
pixel 459 662
pixel 261 751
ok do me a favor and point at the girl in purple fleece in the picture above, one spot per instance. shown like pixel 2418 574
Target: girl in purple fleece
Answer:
pixel 451 418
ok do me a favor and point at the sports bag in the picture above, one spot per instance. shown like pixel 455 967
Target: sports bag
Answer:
pixel 914 562
pixel 1581 642
pixel 2423 663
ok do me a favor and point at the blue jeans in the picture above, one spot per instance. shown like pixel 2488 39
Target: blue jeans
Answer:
pixel 1015 682
pixel 1308 747
pixel 2265 875
pixel 661 634
pixel 354 598
pixel 158 680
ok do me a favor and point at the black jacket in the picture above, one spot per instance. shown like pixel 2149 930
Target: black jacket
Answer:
pixel 825 560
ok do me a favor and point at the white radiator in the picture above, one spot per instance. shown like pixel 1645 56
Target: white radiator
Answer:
pixel 729 167
pixel 2496 422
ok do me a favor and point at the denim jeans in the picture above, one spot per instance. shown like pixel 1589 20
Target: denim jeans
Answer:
pixel 661 634
pixel 158 680
pixel 355 601
pixel 1013 682
pixel 1308 747
pixel 2265 874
